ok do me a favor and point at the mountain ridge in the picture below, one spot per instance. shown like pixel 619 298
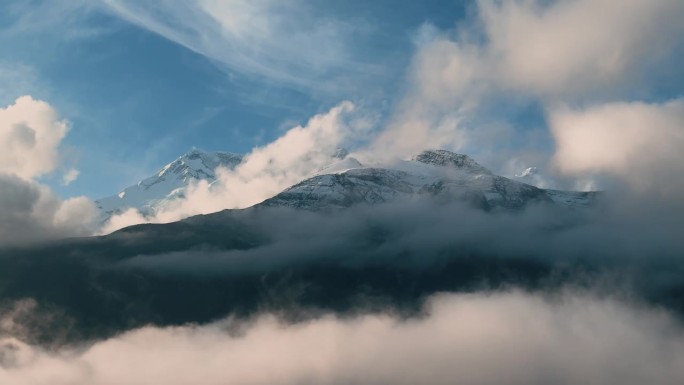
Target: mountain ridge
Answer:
pixel 441 174
pixel 168 183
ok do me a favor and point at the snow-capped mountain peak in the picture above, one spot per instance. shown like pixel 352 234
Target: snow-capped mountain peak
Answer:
pixel 195 164
pixel 169 182
pixel 441 174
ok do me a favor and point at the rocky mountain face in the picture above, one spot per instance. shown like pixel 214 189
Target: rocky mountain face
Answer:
pixel 440 174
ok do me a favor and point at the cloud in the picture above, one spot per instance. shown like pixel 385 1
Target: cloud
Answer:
pixel 30 212
pixel 30 135
pixel 265 171
pixel 434 113
pixel 365 258
pixel 128 217
pixel 35 17
pixel 577 47
pixel 638 142
pixel 285 43
pixel 459 96
pixel 70 176
pixel 512 338
pixel 467 87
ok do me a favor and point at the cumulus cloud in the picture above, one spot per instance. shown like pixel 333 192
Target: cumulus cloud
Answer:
pixel 566 47
pixel 468 86
pixel 30 134
pixel 264 172
pixel 639 142
pixel 31 212
pixel 512 338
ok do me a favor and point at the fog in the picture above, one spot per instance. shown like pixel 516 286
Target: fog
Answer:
pixel 485 338
pixel 416 291
pixel 301 264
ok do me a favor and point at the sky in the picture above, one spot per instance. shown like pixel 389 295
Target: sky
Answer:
pixel 97 95
pixel 137 98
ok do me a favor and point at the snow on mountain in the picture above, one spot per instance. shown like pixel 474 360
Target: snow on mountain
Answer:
pixel 533 176
pixel 527 172
pixel 168 183
pixel 441 174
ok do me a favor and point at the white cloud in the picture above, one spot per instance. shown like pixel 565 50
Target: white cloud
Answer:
pixel 569 47
pixel 281 41
pixel 431 114
pixel 128 217
pixel 70 176
pixel 463 84
pixel 30 133
pixel 511 338
pixel 265 171
pixel 639 142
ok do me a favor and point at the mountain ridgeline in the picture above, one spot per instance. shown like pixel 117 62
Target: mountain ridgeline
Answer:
pixel 439 173
pixel 168 183
pixel 350 239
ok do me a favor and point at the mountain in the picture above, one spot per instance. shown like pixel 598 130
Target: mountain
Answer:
pixel 168 183
pixel 441 174
pixel 292 255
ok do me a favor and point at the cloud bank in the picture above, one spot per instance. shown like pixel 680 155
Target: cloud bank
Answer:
pixel 512 338
pixel 465 85
pixel 30 134
pixel 641 143
pixel 579 47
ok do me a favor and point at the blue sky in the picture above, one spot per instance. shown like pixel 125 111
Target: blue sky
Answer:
pixel 137 100
pixel 142 82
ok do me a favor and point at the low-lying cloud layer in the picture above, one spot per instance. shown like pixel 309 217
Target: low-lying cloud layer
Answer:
pixel 584 63
pixel 512 338
pixel 360 259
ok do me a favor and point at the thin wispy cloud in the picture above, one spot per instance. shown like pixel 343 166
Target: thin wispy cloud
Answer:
pixel 289 43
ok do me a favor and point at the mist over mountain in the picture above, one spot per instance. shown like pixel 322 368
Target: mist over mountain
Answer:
pixel 168 184
pixel 346 181
pixel 434 192
pixel 351 241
